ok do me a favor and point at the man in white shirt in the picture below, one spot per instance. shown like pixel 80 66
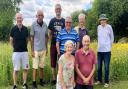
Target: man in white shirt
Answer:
pixel 105 41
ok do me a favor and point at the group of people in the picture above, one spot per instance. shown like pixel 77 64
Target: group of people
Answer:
pixel 69 49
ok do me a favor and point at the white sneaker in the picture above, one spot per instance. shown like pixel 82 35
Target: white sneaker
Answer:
pixel 106 85
pixel 97 83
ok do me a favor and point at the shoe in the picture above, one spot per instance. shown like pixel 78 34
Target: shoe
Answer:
pixel 97 83
pixel 14 87
pixel 42 83
pixel 106 85
pixel 25 86
pixel 53 82
pixel 34 86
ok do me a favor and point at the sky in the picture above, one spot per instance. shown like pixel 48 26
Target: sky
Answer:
pixel 29 7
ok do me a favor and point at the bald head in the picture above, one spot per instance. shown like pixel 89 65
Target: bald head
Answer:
pixel 86 37
pixel 19 19
pixel 40 15
pixel 86 42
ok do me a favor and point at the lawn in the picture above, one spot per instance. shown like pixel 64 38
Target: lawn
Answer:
pixel 113 85
pixel 118 67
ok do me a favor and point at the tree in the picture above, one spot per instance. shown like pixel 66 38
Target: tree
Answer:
pixel 8 9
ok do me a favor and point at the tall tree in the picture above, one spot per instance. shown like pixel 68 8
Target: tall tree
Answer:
pixel 8 9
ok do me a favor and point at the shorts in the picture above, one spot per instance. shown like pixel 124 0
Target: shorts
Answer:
pixel 53 56
pixel 20 58
pixel 39 59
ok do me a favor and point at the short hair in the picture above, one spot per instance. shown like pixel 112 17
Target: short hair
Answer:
pixel 39 11
pixel 67 43
pixel 81 15
pixel 68 18
pixel 18 14
pixel 57 6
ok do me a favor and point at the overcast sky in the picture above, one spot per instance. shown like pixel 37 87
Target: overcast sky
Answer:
pixel 29 8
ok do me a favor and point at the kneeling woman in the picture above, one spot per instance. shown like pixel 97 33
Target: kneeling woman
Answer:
pixel 65 77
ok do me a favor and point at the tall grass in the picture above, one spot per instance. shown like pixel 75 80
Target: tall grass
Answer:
pixel 118 66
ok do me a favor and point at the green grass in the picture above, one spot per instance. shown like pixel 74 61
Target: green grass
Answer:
pixel 118 67
pixel 113 85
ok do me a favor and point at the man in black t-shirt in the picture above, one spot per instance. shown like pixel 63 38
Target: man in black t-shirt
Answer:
pixel 56 24
pixel 19 39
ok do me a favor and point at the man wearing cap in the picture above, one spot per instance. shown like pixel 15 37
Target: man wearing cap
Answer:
pixel 56 24
pixel 105 41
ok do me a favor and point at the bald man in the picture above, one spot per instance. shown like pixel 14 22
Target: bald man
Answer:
pixel 39 40
pixel 19 39
pixel 85 65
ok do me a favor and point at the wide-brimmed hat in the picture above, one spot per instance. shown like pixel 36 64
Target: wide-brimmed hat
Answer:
pixel 103 17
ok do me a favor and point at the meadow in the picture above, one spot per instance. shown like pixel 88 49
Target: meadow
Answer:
pixel 118 66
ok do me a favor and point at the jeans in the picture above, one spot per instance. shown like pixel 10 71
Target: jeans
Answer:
pixel 104 56
pixel 78 86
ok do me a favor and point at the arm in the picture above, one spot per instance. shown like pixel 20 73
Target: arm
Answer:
pixel 79 73
pixel 32 45
pixel 11 41
pixel 50 34
pixel 58 47
pixel 92 72
pixel 60 75
pixel 46 41
pixel 112 36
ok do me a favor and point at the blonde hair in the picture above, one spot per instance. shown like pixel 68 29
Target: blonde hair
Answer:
pixel 67 43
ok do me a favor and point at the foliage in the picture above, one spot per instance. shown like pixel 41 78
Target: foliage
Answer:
pixel 116 11
pixel 118 66
pixel 8 8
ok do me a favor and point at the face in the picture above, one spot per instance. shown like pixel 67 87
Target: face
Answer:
pixel 103 22
pixel 58 11
pixel 86 42
pixel 69 48
pixel 68 24
pixel 40 16
pixel 19 19
pixel 82 21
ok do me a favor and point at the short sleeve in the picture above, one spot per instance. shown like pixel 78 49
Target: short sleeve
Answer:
pixel 60 61
pixel 76 58
pixel 50 25
pixel 58 39
pixel 77 38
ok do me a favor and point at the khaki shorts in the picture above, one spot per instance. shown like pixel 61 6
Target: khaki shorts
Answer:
pixel 39 59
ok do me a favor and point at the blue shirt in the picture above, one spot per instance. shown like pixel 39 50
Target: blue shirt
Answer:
pixel 105 38
pixel 64 36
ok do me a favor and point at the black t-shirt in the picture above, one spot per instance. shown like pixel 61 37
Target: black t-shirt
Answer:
pixel 19 38
pixel 55 26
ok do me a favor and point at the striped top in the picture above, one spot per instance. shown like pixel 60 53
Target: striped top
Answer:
pixel 64 36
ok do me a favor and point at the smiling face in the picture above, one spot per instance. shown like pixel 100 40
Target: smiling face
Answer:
pixel 81 19
pixel 69 48
pixel 19 19
pixel 68 23
pixel 40 16
pixel 86 42
pixel 103 22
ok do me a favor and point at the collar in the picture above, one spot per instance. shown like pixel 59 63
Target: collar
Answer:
pixel 83 53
